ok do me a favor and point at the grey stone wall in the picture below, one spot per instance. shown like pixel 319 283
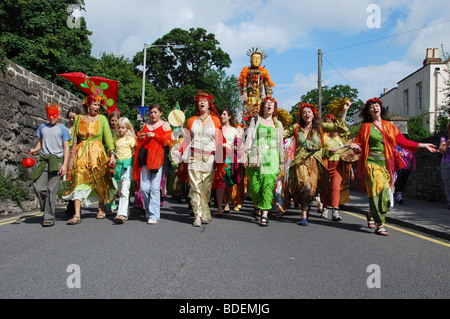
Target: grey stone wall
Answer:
pixel 426 182
pixel 23 97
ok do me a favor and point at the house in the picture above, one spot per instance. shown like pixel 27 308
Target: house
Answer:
pixel 420 93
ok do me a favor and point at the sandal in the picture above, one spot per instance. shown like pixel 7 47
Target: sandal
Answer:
pixel 120 219
pixel 264 222
pixel 101 214
pixel 381 231
pixel 47 224
pixel 257 213
pixel 74 220
pixel 370 221
pixel 197 223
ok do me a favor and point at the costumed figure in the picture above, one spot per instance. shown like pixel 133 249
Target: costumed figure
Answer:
pixel 202 155
pixel 253 81
pixel 308 174
pixel 91 177
pixel 337 169
pixel 53 147
pixel 239 177
pixel 264 146
pixel 281 194
pixel 224 190
pixel 377 142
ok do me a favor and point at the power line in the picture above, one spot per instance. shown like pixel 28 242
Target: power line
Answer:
pixel 387 37
pixel 336 70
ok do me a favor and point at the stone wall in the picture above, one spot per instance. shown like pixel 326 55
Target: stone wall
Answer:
pixel 426 182
pixel 23 97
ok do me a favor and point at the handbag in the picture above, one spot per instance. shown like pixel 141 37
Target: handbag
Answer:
pixel 254 155
pixel 399 163
pixel 254 158
pixel 142 156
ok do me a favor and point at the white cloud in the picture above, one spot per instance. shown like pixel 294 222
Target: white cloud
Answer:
pixel 283 26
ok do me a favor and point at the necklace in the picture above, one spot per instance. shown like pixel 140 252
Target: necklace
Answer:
pixel 267 121
pixel 90 119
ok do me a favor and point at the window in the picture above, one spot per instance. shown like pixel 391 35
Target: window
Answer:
pixel 406 101
pixel 419 95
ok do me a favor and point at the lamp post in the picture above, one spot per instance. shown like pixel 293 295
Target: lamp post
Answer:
pixel 175 46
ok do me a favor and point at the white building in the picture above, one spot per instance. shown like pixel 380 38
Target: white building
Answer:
pixel 420 93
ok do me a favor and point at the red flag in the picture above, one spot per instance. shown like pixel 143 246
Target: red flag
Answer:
pixel 97 86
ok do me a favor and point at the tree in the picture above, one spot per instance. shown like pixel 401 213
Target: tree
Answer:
pixel 336 92
pixel 39 35
pixel 184 69
pixel 178 74
pixel 122 69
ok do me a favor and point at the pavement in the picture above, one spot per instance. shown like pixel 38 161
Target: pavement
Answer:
pixel 432 218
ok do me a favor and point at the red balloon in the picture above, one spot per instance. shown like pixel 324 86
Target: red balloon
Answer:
pixel 28 162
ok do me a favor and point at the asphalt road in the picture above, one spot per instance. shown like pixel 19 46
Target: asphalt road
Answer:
pixel 231 258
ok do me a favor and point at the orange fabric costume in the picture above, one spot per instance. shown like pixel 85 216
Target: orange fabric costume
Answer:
pixel 155 146
pixel 391 137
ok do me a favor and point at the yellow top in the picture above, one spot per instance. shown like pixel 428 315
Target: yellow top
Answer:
pixel 125 147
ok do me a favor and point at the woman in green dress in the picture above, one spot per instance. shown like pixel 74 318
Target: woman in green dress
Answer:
pixel 264 146
pixel 308 174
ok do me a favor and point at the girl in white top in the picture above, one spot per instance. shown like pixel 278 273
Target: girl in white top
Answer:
pixel 125 142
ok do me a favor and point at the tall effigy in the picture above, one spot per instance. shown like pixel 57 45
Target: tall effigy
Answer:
pixel 254 83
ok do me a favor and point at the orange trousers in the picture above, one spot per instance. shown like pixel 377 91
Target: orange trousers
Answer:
pixel 331 196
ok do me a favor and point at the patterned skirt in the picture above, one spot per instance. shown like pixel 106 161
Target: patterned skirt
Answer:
pixel 377 180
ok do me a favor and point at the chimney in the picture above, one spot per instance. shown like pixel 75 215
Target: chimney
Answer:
pixel 432 56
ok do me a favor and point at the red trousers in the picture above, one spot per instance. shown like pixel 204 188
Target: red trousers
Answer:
pixel 332 195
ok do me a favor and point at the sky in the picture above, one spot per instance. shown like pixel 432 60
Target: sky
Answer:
pixel 369 45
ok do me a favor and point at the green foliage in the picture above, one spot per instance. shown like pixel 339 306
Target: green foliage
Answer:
pixel 37 35
pixel 441 123
pixel 336 92
pixel 10 188
pixel 122 69
pixel 180 73
pixel 416 129
pixel 354 129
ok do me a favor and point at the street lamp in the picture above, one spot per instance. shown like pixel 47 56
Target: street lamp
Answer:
pixel 175 46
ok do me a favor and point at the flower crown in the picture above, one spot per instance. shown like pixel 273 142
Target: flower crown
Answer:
pixel 209 97
pixel 90 98
pixel 301 106
pixel 330 116
pixel 269 98
pixel 373 101
pixel 204 95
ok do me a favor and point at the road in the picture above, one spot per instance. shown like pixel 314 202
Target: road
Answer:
pixel 231 258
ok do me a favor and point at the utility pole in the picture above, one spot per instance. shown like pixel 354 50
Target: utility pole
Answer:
pixel 319 84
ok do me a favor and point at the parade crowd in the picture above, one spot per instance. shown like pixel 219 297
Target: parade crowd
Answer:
pixel 278 165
